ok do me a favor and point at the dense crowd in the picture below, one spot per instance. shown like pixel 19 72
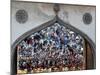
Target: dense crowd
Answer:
pixel 53 48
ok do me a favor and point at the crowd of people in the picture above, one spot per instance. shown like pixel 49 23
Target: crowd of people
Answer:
pixel 55 48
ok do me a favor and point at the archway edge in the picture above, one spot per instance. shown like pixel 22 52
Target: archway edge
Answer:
pixel 47 24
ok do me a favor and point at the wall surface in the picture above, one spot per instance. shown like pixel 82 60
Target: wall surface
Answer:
pixel 39 13
pixel 83 2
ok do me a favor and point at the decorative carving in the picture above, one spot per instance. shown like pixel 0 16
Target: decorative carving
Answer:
pixel 87 18
pixel 56 8
pixel 21 16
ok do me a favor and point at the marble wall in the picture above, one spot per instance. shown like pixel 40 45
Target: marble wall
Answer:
pixel 39 13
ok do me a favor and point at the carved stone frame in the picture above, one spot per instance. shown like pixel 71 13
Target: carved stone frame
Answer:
pixel 49 23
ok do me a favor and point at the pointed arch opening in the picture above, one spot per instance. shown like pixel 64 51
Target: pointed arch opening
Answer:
pixel 52 47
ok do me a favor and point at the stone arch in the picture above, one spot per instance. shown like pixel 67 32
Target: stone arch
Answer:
pixel 56 19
